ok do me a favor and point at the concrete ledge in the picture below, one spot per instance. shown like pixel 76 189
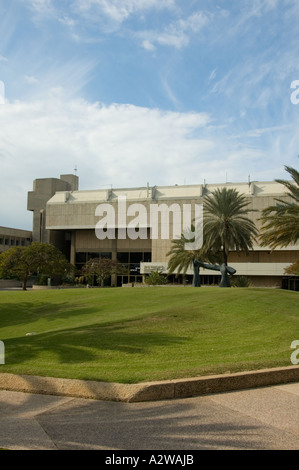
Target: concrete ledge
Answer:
pixel 149 391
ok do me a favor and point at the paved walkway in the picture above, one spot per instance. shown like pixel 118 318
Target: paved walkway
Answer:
pixel 261 419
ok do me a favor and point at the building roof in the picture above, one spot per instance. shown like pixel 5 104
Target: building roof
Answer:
pixel 255 188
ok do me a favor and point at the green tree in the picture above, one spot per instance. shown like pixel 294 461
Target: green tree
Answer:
pixel 281 221
pixel 182 259
pixel 226 223
pixel 293 269
pixel 102 269
pixel 35 259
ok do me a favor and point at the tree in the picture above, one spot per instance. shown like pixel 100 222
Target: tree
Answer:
pixel 281 222
pixel 293 269
pixel 102 269
pixel 37 258
pixel 226 223
pixel 181 259
pixel 156 278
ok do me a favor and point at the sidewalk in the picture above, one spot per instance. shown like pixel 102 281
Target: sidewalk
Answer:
pixel 257 419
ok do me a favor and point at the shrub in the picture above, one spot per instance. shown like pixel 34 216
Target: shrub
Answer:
pixel 240 281
pixel 156 278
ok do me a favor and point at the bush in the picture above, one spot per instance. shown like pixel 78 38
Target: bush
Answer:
pixel 240 281
pixel 156 278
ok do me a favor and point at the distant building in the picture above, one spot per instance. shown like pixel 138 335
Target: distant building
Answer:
pixel 68 217
pixel 10 237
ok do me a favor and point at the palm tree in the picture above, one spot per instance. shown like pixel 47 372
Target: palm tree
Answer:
pixel 281 222
pixel 182 259
pixel 226 224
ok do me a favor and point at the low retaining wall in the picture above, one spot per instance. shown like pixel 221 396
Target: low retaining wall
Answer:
pixel 9 283
pixel 149 391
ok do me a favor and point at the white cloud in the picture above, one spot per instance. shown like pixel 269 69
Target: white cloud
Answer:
pixel 120 145
pixel 41 7
pixel 120 10
pixel 213 75
pixel 31 79
pixel 67 21
pixel 116 144
pixel 146 44
pixel 177 33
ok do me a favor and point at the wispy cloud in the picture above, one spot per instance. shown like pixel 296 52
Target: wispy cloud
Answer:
pixel 118 11
pixel 31 80
pixel 41 7
pixel 176 34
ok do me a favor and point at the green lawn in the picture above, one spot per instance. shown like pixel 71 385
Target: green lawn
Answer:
pixel 139 334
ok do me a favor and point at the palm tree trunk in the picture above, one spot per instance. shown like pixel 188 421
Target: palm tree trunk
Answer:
pixel 225 257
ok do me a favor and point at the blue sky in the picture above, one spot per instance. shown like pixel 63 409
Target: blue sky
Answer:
pixel 132 92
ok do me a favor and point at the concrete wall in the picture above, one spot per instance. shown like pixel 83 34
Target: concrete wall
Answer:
pixel 10 237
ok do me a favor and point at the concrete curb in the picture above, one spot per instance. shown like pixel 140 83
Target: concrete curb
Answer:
pixel 149 391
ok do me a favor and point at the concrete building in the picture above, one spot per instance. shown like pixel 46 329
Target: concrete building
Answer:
pixel 76 222
pixel 43 190
pixel 10 237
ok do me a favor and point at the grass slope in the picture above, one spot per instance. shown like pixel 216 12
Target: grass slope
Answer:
pixel 133 335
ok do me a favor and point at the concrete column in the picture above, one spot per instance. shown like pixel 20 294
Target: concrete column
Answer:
pixel 73 248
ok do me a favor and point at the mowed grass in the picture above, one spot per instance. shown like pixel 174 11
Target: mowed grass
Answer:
pixel 131 335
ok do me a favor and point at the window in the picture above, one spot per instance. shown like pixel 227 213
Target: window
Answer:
pixel 123 257
pixel 136 257
pixel 81 258
pixel 105 255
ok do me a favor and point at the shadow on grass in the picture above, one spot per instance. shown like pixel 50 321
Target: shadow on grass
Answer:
pixel 87 346
pixel 28 312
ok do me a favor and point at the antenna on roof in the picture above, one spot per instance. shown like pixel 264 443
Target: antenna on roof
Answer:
pixel 75 170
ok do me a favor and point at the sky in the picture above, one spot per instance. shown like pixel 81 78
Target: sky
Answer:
pixel 126 93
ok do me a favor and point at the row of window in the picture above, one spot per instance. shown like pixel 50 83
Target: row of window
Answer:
pixel 130 261
pixel 9 241
pixel 122 257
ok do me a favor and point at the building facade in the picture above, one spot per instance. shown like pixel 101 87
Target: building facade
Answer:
pixel 136 225
pixel 10 237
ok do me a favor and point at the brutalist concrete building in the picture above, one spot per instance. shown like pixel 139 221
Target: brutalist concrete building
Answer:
pixel 136 226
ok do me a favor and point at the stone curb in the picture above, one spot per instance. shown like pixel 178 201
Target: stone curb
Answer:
pixel 149 391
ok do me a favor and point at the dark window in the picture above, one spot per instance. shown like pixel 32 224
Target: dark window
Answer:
pixel 147 257
pixel 123 257
pixel 105 255
pixel 136 257
pixel 80 257
pixel 92 255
